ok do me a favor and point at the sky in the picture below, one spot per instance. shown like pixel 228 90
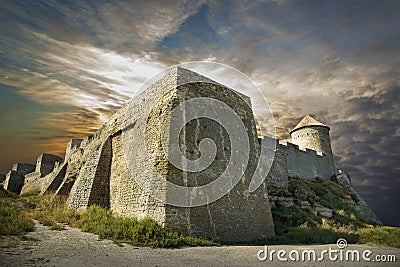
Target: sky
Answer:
pixel 66 66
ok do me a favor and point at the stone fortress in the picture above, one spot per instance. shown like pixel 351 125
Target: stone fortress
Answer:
pixel 95 171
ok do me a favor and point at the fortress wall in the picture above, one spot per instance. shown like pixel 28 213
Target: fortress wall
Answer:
pixel 46 163
pixel 31 177
pixel 23 168
pixel 149 162
pixel 126 196
pixel 235 216
pixel 71 174
pixel 74 159
pixel 81 191
pixel 100 187
pixel 325 166
pixel 307 163
pixel 82 158
pixel 278 174
pixel 72 145
pixel 35 182
pixel 223 219
pixel 32 182
pixel 87 141
pixel 14 181
pixel 300 163
pixel 54 179
pixel 118 170
pixel 130 198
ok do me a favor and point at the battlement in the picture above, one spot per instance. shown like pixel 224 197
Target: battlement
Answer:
pixel 299 162
pixel 289 145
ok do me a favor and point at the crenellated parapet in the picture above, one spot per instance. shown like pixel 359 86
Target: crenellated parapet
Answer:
pixel 298 158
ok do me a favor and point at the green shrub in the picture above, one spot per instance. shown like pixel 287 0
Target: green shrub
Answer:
pixel 13 221
pixel 285 217
pixel 52 210
pixel 380 235
pixel 144 232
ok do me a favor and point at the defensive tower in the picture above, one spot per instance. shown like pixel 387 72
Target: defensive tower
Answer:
pixel 312 134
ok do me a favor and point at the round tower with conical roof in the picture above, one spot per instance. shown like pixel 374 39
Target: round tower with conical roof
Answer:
pixel 312 134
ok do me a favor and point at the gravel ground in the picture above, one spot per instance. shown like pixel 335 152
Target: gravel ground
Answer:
pixel 71 247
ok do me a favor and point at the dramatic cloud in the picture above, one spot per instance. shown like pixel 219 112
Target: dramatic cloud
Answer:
pixel 66 66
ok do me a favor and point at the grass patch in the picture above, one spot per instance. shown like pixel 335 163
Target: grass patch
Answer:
pixel 52 211
pixel 328 194
pixel 311 235
pixel 144 232
pixel 57 227
pixel 328 233
pixel 380 235
pixel 293 225
pixel 13 221
pixel 285 217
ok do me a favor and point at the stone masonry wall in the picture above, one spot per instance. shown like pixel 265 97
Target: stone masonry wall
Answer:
pixel 307 163
pixel 72 145
pixel 45 163
pixel 54 179
pixel 100 189
pixel 235 216
pixel 278 175
pixel 316 138
pixel 130 199
pixel 32 183
pixel 92 181
pixel 124 161
pixel 14 181
pixel 23 168
pixel 15 178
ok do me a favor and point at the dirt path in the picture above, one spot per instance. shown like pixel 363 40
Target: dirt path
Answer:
pixel 72 247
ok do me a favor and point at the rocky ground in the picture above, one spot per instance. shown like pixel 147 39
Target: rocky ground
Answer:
pixel 71 247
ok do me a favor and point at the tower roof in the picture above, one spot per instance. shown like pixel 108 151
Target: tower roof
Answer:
pixel 308 121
